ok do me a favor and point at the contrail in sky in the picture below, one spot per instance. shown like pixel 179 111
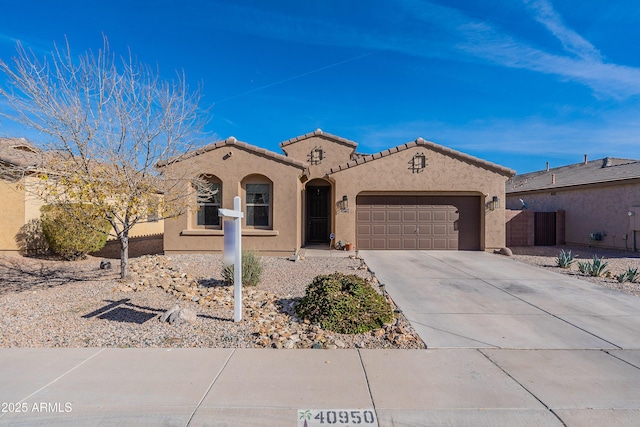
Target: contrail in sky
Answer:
pixel 288 79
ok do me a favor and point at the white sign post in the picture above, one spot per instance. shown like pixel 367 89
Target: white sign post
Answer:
pixel 237 257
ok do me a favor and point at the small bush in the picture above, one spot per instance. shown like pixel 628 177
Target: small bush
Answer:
pixel 346 304
pixel 73 230
pixel 251 270
pixel 595 268
pixel 565 259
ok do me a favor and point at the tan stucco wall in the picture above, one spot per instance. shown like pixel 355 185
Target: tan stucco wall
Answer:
pixel 12 215
pixel 181 236
pixel 32 202
pixel 443 174
pixel 335 153
pixel 601 209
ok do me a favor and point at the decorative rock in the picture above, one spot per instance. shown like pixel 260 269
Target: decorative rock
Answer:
pixel 177 315
pixel 506 252
pixel 317 345
pixel 105 265
pixel 168 313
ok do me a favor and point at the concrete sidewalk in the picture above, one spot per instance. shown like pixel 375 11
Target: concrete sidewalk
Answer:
pixel 261 387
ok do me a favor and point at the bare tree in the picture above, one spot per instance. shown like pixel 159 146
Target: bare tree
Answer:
pixel 106 122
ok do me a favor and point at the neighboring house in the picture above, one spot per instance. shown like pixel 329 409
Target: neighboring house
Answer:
pixel 19 206
pixel 600 200
pixel 418 195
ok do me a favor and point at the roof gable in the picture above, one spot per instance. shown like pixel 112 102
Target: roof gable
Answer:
pixel 607 170
pixel 18 152
pixel 233 142
pixel 431 145
pixel 322 134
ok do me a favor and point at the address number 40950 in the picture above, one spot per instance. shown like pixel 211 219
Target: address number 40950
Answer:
pixel 336 417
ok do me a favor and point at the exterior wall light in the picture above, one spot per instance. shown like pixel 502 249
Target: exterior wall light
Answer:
pixel 631 213
pixel 495 202
pixel 344 204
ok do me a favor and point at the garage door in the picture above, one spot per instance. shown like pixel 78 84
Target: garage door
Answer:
pixel 418 222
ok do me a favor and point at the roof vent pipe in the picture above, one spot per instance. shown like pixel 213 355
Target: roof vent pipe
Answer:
pixel 606 162
pixel 586 156
pixel 553 178
pixel 547 166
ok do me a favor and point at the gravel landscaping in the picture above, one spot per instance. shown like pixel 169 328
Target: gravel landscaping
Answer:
pixel 617 262
pixel 50 303
pixel 47 303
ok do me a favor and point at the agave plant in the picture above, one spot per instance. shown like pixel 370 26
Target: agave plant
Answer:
pixel 632 274
pixel 598 266
pixel 584 267
pixel 565 259
pixel 622 277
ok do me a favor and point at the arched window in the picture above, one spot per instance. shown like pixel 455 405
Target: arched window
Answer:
pixel 209 200
pixel 258 201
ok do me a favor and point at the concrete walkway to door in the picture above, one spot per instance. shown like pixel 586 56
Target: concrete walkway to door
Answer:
pixel 573 345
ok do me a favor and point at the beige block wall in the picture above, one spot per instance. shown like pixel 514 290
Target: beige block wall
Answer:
pixel 601 209
pixel 442 175
pixel 182 236
pixel 147 228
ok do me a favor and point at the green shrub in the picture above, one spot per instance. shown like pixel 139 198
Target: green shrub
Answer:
pixel 595 268
pixel 345 304
pixel 251 270
pixel 73 230
pixel 565 259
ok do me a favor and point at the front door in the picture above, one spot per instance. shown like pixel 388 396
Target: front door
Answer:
pixel 318 211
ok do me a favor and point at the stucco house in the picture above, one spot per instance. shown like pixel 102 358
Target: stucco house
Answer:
pixel 418 195
pixel 599 200
pixel 19 206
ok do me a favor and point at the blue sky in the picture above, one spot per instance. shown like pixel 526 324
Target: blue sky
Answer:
pixel 515 82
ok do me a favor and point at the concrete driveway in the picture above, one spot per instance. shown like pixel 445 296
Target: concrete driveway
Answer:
pixel 571 345
pixel 481 300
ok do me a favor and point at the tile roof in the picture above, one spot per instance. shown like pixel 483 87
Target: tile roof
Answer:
pixel 607 170
pixel 232 141
pixel 19 152
pixel 428 144
pixel 319 132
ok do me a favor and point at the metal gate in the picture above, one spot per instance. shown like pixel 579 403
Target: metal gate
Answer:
pixel 545 228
